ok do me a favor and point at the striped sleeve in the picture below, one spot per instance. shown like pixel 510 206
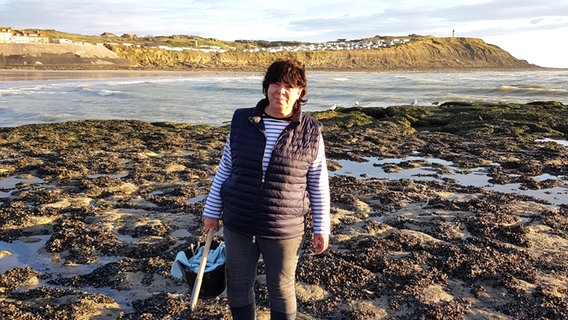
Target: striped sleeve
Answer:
pixel 213 204
pixel 318 192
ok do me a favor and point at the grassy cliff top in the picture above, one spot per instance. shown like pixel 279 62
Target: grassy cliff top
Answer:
pixel 182 40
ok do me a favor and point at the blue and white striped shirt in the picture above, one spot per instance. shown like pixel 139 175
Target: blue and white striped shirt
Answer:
pixel 318 181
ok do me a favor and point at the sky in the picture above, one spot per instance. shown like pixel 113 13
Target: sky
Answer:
pixel 536 31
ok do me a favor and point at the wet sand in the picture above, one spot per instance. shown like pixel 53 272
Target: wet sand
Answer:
pixel 93 213
pixel 35 74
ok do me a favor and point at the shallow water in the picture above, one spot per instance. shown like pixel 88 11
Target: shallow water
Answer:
pixel 560 142
pixel 26 254
pixel 475 177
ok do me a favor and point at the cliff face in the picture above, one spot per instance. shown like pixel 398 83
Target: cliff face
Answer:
pixel 58 55
pixel 420 54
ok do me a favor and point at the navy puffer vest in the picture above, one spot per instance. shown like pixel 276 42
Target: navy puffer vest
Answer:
pixel 272 206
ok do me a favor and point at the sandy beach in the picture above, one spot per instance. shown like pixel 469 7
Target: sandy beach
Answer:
pixel 94 212
pixel 39 74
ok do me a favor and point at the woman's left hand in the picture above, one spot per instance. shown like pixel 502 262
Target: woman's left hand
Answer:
pixel 321 242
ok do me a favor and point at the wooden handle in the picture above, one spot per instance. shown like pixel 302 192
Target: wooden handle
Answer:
pixel 199 278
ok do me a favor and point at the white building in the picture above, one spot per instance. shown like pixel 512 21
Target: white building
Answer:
pixel 9 35
pixel 5 35
pixel 61 41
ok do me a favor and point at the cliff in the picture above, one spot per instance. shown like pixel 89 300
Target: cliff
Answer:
pixel 425 53
pixel 420 54
pixel 59 56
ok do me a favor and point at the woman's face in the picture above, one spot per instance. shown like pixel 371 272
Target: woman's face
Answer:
pixel 282 97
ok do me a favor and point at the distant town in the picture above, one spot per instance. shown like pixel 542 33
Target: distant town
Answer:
pixel 340 44
pixel 15 35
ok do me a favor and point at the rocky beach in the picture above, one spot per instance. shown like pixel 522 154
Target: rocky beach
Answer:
pixel 108 204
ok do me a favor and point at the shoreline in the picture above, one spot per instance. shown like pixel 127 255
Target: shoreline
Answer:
pixel 25 74
pixel 34 74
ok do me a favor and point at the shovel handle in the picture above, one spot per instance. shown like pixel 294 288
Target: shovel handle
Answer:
pixel 199 278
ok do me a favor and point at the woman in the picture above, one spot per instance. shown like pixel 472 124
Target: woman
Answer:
pixel 272 170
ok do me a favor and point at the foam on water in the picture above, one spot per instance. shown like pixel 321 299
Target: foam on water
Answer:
pixel 211 99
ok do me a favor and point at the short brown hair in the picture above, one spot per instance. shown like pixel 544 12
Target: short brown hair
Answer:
pixel 289 71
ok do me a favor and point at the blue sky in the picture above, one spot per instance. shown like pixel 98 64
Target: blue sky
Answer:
pixel 536 31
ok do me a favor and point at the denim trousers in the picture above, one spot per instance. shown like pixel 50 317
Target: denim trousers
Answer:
pixel 280 257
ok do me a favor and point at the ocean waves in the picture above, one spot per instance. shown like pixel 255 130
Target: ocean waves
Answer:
pixel 211 99
pixel 531 90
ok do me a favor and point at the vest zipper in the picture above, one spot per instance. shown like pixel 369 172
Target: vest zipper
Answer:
pixel 261 186
pixel 262 180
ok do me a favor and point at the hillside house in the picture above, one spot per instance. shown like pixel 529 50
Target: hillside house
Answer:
pixel 5 34
pixel 61 41
pixel 36 37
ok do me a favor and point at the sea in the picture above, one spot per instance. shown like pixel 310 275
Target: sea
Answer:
pixel 211 98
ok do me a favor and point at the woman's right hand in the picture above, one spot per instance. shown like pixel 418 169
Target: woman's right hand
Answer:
pixel 210 224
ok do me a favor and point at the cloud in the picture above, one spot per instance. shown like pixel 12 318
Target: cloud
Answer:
pixel 295 19
pixel 310 20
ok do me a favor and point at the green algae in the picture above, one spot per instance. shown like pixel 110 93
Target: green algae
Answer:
pixel 546 119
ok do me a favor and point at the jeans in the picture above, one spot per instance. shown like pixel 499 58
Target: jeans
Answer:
pixel 280 257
